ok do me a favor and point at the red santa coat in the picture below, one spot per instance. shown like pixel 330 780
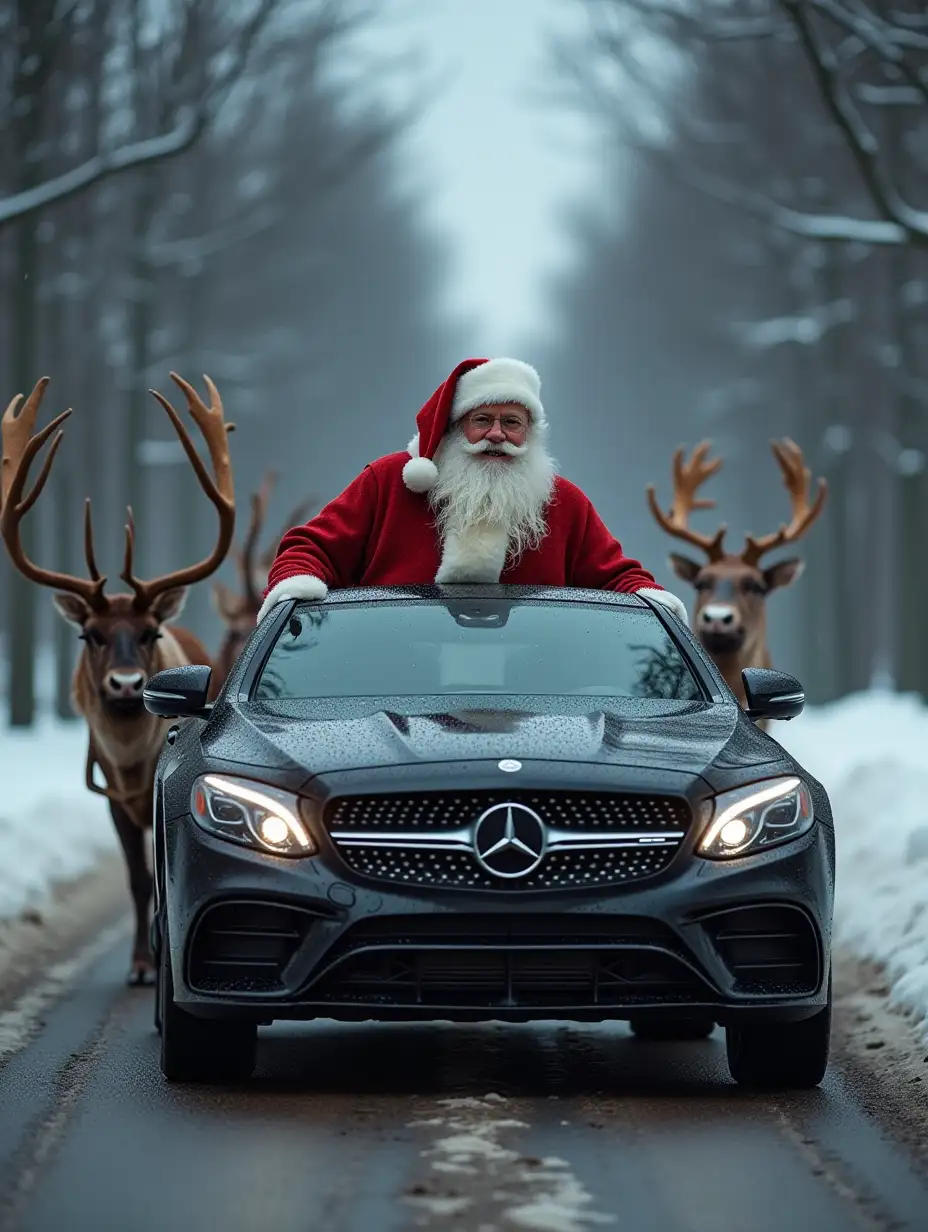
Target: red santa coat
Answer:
pixel 378 533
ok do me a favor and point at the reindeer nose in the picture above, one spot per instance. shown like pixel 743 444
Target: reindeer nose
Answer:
pixel 718 616
pixel 125 684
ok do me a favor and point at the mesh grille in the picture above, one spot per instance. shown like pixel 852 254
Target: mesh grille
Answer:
pixel 458 869
pixel 581 814
pixel 573 810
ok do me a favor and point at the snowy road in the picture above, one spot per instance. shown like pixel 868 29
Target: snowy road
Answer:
pixel 373 1128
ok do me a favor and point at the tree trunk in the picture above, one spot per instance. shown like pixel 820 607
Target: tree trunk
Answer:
pixel 64 632
pixel 21 593
pixel 141 282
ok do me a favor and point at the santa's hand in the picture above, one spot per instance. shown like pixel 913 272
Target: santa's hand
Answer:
pixel 303 586
pixel 666 599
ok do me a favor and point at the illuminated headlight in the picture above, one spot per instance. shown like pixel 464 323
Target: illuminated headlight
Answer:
pixel 752 818
pixel 250 813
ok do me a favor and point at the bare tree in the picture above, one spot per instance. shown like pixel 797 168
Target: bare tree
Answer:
pixel 805 122
pixel 186 111
pixel 275 254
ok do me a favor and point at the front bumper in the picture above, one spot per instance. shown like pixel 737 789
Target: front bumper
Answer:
pixel 259 937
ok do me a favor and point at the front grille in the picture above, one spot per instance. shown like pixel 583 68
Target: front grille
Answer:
pixel 243 947
pixel 510 978
pixel 769 950
pixel 427 839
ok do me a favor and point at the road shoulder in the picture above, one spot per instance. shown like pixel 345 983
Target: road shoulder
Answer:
pixel 883 1052
pixel 68 917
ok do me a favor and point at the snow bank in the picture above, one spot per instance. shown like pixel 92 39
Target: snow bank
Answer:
pixel 51 827
pixel 869 752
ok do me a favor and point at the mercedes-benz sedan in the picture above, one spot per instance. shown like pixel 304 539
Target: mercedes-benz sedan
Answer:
pixel 484 803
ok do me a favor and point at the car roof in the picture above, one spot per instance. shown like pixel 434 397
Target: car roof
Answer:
pixel 556 594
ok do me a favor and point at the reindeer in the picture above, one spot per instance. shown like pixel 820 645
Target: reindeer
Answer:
pixel 126 637
pixel 239 610
pixel 730 617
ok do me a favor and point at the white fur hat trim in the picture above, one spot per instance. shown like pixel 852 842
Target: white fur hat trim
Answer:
pixel 496 381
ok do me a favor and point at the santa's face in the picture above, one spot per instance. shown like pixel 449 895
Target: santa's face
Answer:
pixel 494 427
pixel 495 472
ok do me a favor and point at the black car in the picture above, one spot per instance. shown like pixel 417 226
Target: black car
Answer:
pixel 489 802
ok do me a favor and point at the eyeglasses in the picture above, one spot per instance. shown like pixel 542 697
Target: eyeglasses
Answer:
pixel 483 421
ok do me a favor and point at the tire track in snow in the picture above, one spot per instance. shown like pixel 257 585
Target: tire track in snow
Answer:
pixel 480 1181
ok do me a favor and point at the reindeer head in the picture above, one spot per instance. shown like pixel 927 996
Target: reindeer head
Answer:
pixel 729 616
pixel 239 610
pixel 120 632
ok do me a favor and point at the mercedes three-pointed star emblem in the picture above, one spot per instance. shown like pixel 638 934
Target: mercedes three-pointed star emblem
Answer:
pixel 509 840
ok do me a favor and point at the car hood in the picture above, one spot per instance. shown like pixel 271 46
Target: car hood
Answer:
pixel 321 738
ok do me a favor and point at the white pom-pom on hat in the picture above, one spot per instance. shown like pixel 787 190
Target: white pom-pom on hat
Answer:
pixel 420 474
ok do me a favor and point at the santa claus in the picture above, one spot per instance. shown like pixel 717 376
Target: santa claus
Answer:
pixel 474 498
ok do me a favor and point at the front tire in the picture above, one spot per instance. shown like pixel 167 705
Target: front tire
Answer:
pixel 672 1030
pixel 787 1055
pixel 201 1049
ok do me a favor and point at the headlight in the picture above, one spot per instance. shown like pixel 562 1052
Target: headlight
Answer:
pixel 751 818
pixel 250 813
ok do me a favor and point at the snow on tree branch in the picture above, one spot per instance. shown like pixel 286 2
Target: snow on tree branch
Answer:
pixel 135 154
pixel 803 328
pixel 861 142
pixel 190 122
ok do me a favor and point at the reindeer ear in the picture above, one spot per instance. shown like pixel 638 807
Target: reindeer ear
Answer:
pixel 73 608
pixel 683 567
pixel 169 604
pixel 783 573
pixel 226 602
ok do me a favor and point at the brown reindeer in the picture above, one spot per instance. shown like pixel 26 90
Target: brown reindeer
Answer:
pixel 126 638
pixel 730 617
pixel 238 610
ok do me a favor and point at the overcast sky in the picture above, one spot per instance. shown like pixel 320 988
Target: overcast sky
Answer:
pixel 494 165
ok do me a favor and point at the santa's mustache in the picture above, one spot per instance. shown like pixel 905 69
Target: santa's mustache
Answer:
pixel 491 447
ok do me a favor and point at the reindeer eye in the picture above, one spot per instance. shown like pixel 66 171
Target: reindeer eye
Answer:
pixel 703 584
pixel 92 637
pixel 751 586
pixel 150 636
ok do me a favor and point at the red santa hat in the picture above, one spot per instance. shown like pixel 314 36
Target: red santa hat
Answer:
pixel 473 383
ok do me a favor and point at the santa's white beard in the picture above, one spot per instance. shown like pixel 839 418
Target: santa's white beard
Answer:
pixel 489 510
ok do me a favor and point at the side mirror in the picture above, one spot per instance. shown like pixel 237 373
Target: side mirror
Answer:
pixel 772 695
pixel 179 692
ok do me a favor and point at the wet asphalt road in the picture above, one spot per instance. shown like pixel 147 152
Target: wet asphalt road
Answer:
pixel 381 1127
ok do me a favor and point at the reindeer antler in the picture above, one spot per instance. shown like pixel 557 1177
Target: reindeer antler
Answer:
pixel 214 430
pixel 246 557
pixel 21 444
pixel 796 478
pixel 296 517
pixel 688 477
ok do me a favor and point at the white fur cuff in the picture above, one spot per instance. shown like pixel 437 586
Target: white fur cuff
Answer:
pixel 300 586
pixel 666 599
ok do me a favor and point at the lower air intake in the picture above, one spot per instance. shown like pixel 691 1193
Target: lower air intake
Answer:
pixel 769 950
pixel 244 947
pixel 504 978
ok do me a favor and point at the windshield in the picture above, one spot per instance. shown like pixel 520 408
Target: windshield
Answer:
pixel 475 646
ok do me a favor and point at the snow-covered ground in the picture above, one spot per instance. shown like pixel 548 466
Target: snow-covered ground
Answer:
pixel 51 827
pixel 868 750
